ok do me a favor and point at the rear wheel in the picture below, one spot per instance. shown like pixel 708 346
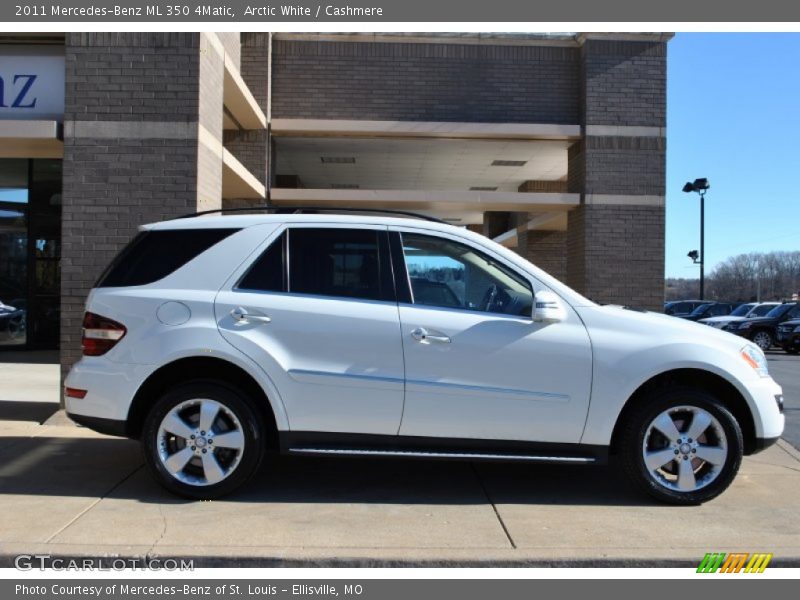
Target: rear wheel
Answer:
pixel 203 440
pixel 681 446
pixel 763 339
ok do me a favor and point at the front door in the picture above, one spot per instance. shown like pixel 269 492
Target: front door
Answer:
pixel 317 311
pixel 477 366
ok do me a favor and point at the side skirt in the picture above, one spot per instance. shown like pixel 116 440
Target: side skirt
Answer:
pixel 312 443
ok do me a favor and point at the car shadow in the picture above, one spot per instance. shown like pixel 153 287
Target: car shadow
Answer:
pixel 16 410
pixel 108 467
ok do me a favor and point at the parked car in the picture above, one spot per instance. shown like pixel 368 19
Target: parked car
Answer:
pixel 788 336
pixel 741 312
pixel 762 330
pixel 12 322
pixel 216 339
pixel 710 309
pixel 678 308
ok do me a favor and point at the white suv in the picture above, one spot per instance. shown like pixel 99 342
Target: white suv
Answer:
pixel 217 339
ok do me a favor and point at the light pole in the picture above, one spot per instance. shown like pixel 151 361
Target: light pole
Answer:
pixel 701 186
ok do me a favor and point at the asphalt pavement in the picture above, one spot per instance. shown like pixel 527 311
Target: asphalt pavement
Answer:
pixel 785 369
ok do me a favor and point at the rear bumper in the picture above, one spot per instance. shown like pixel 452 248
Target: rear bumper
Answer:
pixel 101 425
pixel 110 388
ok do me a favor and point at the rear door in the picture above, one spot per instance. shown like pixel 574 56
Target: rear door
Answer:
pixel 317 310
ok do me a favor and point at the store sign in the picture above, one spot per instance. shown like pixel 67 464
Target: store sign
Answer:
pixel 31 87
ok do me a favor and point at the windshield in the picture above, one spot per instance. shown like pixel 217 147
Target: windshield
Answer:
pixel 701 309
pixel 779 310
pixel 761 310
pixel 742 310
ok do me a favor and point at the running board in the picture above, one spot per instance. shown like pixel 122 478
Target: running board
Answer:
pixel 443 455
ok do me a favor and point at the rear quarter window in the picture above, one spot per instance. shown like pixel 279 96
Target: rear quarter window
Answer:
pixel 152 255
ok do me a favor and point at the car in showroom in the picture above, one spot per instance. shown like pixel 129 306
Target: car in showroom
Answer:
pixel 763 330
pixel 217 339
pixel 709 310
pixel 788 336
pixel 740 313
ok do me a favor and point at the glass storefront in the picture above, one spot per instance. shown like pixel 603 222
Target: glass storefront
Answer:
pixel 30 250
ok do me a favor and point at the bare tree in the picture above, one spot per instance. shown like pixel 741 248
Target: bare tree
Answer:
pixel 745 278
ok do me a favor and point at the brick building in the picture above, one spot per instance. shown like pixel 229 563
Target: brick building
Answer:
pixel 553 145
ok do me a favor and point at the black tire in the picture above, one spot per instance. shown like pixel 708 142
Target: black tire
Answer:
pixel 252 427
pixel 635 428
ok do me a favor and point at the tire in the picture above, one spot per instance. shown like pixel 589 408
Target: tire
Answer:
pixel 720 441
pixel 209 471
pixel 762 339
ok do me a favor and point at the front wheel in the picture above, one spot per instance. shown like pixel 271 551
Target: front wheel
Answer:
pixel 202 440
pixel 681 446
pixel 763 339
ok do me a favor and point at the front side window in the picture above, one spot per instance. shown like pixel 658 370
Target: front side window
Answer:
pixel 448 274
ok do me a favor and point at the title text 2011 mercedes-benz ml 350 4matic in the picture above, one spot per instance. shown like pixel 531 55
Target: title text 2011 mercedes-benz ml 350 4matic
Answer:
pixel 217 339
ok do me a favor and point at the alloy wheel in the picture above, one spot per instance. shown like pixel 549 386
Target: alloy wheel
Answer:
pixel 685 448
pixel 200 442
pixel 763 340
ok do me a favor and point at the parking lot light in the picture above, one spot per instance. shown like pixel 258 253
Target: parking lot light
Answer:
pixel 701 186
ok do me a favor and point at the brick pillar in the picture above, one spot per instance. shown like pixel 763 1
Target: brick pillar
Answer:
pixel 615 239
pixel 544 248
pixel 131 153
pixel 495 223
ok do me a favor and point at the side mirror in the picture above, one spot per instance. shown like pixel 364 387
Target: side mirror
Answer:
pixel 548 308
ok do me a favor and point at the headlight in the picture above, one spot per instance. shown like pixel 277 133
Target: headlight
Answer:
pixel 797 329
pixel 754 357
pixel 745 325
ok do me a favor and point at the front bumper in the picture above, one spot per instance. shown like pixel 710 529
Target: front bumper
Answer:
pixel 767 407
pixel 762 444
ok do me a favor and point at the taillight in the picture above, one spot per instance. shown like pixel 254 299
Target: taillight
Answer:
pixel 100 334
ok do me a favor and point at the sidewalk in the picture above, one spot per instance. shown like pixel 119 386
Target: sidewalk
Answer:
pixel 67 491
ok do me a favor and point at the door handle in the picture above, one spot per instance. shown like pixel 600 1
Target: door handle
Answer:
pixel 240 315
pixel 421 335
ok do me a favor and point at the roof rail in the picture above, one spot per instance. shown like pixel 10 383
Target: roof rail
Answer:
pixel 298 210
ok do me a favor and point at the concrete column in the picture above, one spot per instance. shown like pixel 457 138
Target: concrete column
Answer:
pixel 251 147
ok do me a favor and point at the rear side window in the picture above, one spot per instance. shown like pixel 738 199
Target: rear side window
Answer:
pixel 348 263
pixel 268 273
pixel 152 255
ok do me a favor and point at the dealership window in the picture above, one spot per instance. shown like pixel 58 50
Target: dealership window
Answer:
pixel 30 244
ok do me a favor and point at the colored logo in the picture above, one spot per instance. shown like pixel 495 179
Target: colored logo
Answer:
pixel 736 562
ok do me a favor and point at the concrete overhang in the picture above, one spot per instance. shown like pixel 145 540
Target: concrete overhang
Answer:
pixel 240 102
pixel 427 200
pixel 237 181
pixel 422 129
pixel 31 139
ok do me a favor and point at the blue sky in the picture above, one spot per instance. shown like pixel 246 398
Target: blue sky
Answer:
pixel 733 116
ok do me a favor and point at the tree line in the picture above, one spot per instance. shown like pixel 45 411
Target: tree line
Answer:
pixel 745 278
